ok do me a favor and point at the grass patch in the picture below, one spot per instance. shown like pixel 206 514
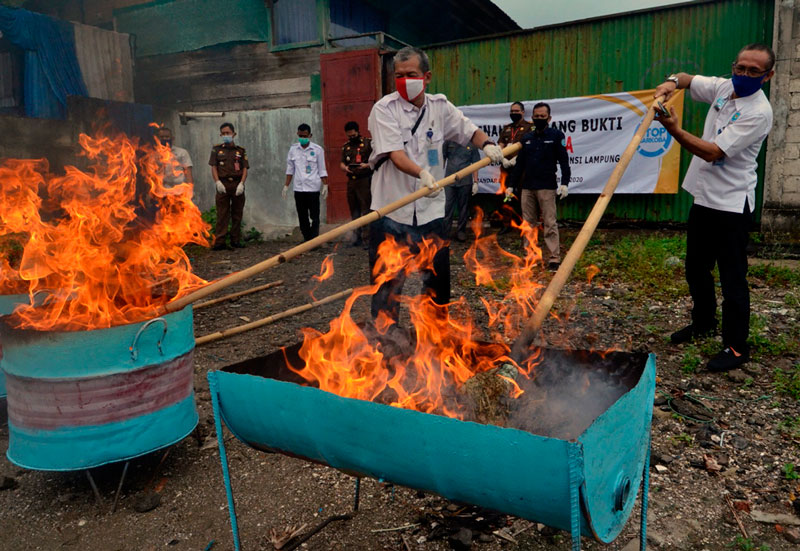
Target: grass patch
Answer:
pixel 790 427
pixel 762 344
pixel 252 235
pixel 787 381
pixel 775 276
pixel 691 359
pixel 790 472
pixel 747 544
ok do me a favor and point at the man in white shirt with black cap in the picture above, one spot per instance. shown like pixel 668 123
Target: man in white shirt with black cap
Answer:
pixel 722 179
pixel 408 129
pixel 306 165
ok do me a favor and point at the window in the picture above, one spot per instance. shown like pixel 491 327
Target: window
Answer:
pixel 10 79
pixel 294 22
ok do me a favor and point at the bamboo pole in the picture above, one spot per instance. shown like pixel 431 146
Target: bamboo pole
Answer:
pixel 534 323
pixel 285 256
pixel 269 319
pixel 213 301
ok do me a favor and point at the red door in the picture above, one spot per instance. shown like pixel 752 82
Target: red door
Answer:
pixel 350 87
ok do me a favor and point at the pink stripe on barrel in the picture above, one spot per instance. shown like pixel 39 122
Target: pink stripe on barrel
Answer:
pixel 48 404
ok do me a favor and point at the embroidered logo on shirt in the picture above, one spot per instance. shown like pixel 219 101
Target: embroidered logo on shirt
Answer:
pixel 736 116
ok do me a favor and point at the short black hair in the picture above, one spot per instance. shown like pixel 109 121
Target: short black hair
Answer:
pixel 229 125
pixel 163 129
pixel 522 105
pixel 303 127
pixel 351 125
pixel 760 47
pixel 542 104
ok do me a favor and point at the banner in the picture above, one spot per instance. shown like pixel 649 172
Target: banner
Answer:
pixel 597 130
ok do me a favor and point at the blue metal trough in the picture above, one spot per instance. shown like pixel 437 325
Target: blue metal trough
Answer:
pixel 7 305
pixel 81 399
pixel 585 482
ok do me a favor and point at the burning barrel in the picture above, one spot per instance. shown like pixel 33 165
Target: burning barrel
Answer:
pixel 574 463
pixel 80 399
pixel 7 305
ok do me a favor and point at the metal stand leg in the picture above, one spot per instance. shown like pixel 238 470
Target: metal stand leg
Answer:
pixel 645 492
pixel 357 496
pixel 95 490
pixel 223 458
pixel 574 495
pixel 119 488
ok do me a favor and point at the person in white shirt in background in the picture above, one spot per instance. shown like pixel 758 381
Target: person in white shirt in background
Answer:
pixel 306 165
pixel 408 129
pixel 179 171
pixel 722 179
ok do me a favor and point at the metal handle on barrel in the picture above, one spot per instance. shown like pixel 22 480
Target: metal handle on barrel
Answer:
pixel 133 349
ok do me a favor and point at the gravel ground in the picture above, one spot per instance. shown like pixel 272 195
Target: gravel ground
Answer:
pixel 716 439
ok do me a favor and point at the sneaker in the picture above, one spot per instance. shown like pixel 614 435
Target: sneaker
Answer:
pixel 728 359
pixel 689 333
pixel 553 266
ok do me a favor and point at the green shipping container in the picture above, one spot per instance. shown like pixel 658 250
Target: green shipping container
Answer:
pixel 625 52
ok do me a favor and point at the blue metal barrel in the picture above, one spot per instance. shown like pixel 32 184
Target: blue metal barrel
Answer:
pixel 80 399
pixel 587 484
pixel 7 305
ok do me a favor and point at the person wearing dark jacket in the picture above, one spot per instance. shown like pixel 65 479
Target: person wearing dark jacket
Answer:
pixel 534 175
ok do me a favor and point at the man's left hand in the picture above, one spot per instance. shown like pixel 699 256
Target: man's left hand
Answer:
pixel 240 189
pixel 563 191
pixel 324 191
pixel 670 123
pixel 474 187
pixel 494 152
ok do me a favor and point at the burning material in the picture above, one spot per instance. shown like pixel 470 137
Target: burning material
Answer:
pixel 106 242
pixel 426 370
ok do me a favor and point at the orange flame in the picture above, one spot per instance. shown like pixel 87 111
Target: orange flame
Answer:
pixel 325 272
pixel 104 242
pixel 591 271
pixel 446 349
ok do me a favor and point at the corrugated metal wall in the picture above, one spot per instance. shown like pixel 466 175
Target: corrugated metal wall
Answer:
pixel 628 52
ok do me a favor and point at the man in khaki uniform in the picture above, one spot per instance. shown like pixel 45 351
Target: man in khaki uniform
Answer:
pixel 511 133
pixel 229 166
pixel 355 154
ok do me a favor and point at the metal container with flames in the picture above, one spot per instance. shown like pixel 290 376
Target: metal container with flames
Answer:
pixel 7 305
pixel 80 399
pixel 585 483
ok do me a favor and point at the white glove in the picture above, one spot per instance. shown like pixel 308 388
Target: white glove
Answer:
pixel 284 192
pixel 509 163
pixel 509 193
pixel 427 180
pixel 240 189
pixel 220 187
pixel 562 192
pixel 494 152
pixel 474 187
pixel 324 191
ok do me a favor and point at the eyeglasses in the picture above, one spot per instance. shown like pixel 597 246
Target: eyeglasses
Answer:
pixel 749 71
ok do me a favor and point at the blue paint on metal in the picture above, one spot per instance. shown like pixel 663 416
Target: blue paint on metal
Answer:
pixel 7 305
pixel 505 469
pixel 645 495
pixel 66 354
pixel 75 448
pixel 575 480
pixel 223 457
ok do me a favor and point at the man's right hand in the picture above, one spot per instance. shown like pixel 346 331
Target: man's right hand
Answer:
pixel 665 89
pixel 509 194
pixel 427 180
pixel 509 163
pixel 285 192
pixel 220 187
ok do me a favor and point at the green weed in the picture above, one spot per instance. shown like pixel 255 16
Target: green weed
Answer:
pixel 683 438
pixel 691 359
pixel 790 427
pixel 746 544
pixel 790 472
pixel 788 381
pixel 775 276
pixel 762 345
pixel 252 235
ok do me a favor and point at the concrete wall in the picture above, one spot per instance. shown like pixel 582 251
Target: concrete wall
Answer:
pixel 266 135
pixel 781 212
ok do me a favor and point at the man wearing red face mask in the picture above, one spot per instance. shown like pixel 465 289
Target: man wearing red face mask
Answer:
pixel 408 130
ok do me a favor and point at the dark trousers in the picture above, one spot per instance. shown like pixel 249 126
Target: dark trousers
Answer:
pixel 435 282
pixel 359 199
pixel 456 198
pixel 230 208
pixel 307 204
pixel 718 237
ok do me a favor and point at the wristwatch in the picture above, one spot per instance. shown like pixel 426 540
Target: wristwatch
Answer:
pixel 672 78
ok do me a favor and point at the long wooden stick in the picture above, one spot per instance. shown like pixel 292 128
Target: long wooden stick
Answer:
pixel 270 319
pixel 213 301
pixel 264 265
pixel 534 323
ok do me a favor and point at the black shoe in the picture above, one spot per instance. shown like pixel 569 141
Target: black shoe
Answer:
pixel 237 245
pixel 689 333
pixel 219 247
pixel 553 266
pixel 461 236
pixel 356 243
pixel 728 359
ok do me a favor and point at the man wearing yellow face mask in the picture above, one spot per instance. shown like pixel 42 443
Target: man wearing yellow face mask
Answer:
pixel 408 129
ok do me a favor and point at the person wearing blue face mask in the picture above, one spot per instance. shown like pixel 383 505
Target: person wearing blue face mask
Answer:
pixel 722 180
pixel 229 169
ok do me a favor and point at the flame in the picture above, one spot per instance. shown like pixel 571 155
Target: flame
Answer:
pixel 325 272
pixel 447 348
pixel 591 271
pixel 105 242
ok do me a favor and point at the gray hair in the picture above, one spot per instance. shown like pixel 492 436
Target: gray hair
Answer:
pixel 404 54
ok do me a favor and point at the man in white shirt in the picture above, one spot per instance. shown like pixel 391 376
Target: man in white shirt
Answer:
pixel 408 128
pixel 306 165
pixel 722 179
pixel 179 170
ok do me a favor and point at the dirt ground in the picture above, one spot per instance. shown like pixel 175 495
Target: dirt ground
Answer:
pixel 734 451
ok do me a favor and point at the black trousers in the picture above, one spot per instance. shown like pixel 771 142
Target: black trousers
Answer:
pixel 716 237
pixel 307 204
pixel 435 282
pixel 457 198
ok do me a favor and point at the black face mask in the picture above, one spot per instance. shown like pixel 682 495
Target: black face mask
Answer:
pixel 355 139
pixel 540 124
pixel 515 117
pixel 165 142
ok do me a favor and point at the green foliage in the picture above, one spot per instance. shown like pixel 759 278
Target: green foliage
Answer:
pixel 210 217
pixel 790 472
pixel 788 381
pixel 762 345
pixel 691 359
pixel 790 427
pixel 641 261
pixel 775 276
pixel 746 544
pixel 683 438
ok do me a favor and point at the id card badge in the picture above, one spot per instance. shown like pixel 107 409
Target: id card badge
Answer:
pixel 236 166
pixel 308 168
pixel 432 150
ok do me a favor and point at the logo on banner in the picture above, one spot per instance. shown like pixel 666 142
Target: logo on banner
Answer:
pixel 655 142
